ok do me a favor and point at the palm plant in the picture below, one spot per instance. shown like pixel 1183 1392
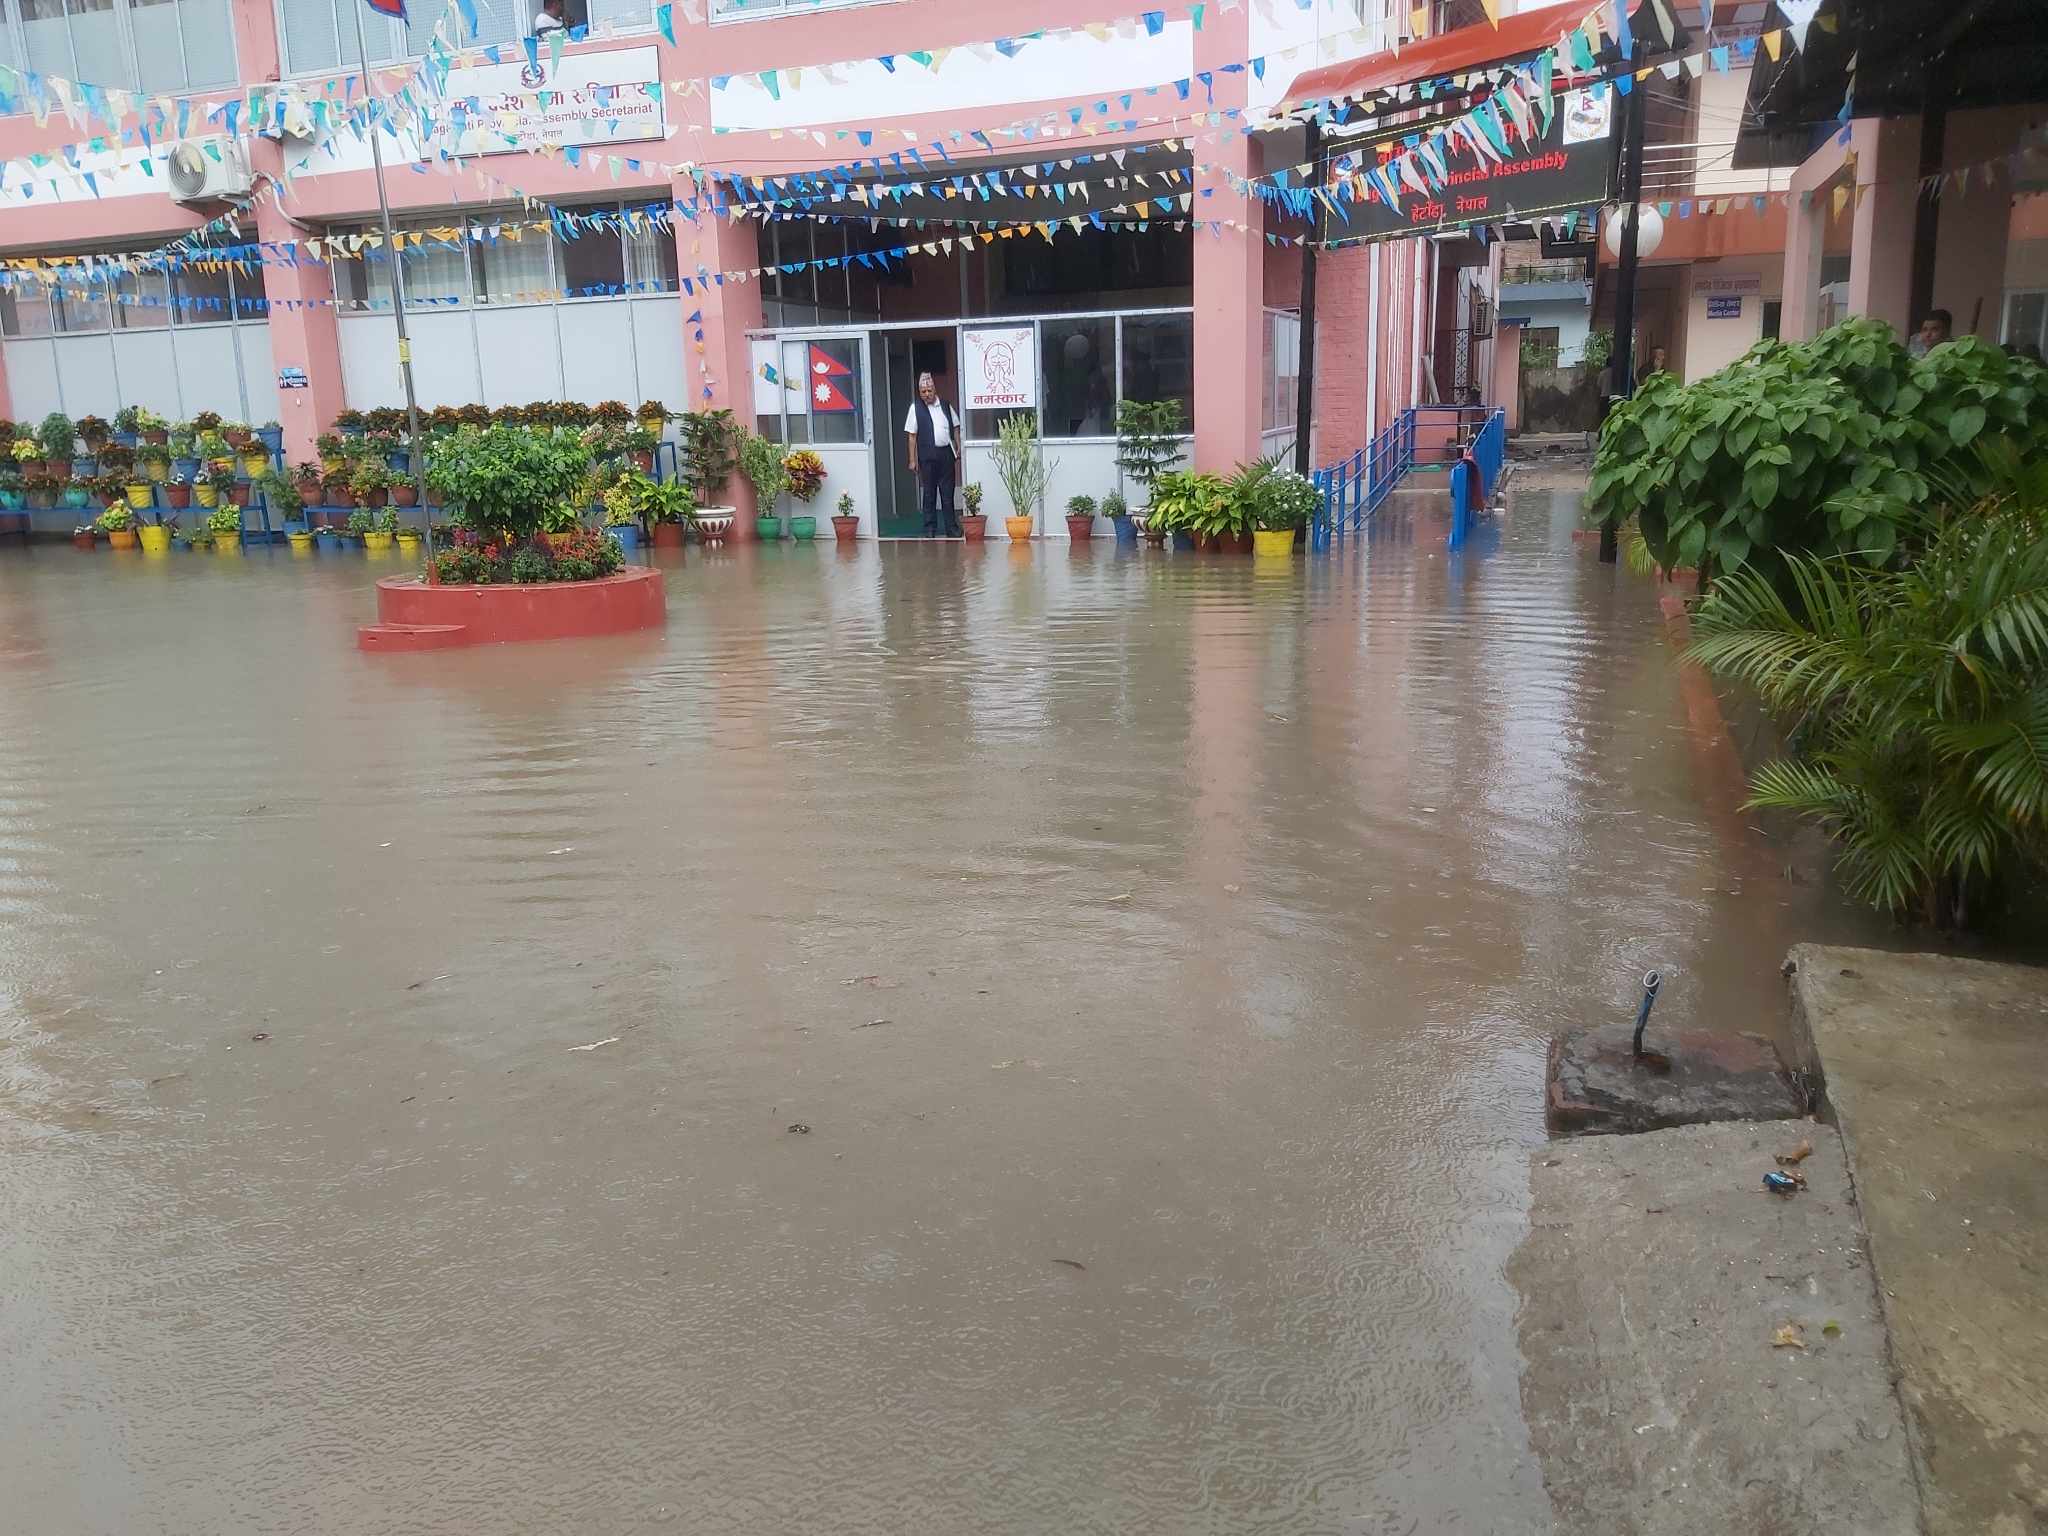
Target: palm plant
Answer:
pixel 1919 696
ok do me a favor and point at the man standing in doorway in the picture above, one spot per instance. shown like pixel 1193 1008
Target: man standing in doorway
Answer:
pixel 931 433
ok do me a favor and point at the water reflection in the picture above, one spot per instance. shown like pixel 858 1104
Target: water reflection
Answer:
pixel 1198 925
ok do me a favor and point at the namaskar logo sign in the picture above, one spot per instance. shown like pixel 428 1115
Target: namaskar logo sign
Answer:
pixel 1001 369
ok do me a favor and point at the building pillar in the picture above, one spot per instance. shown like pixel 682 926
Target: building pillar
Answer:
pixel 304 335
pixel 718 311
pixel 1230 264
pixel 1799 283
pixel 1344 368
pixel 1975 231
pixel 1885 184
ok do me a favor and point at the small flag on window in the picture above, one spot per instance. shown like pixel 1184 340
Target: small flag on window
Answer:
pixel 395 9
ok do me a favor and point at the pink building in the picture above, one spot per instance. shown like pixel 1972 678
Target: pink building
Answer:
pixel 887 158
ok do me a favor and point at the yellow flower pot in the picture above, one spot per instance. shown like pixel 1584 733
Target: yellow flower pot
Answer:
pixel 1273 543
pixel 206 494
pixel 330 465
pixel 157 469
pixel 302 543
pixel 156 538
pixel 254 463
pixel 376 540
pixel 1017 527
pixel 408 542
pixel 227 543
pixel 138 494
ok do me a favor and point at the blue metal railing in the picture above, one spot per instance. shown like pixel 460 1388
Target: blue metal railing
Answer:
pixel 1477 474
pixel 1354 489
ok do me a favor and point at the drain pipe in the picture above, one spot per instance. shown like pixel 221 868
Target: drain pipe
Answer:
pixel 1305 354
pixel 1652 984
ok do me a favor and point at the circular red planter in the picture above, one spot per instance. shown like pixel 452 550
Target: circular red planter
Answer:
pixel 412 616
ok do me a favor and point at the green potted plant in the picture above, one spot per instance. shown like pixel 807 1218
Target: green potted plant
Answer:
pixel 12 497
pixel 1150 438
pixel 1285 502
pixel 1023 470
pixel 1119 516
pixel 128 425
pixel 973 522
pixel 806 476
pixel 369 482
pixel 57 437
pixel 349 423
pixel 118 524
pixel 280 492
pixel 498 481
pixel 306 480
pixel 237 434
pixel 845 522
pixel 225 524
pixel 362 522
pixel 183 450
pixel 641 441
pixel 152 428
pixel 328 448
pixel 1080 518
pixel 621 503
pixel 40 487
pixel 653 415
pixel 384 421
pixel 1188 504
pixel 93 432
pixel 271 436
pixel 611 413
pixel 761 462
pixel 668 507
pixel 710 454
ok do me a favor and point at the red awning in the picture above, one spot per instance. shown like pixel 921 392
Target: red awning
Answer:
pixel 1452 53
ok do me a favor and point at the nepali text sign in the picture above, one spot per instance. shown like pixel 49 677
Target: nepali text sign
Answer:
pixel 580 99
pixel 1000 368
pixel 1564 167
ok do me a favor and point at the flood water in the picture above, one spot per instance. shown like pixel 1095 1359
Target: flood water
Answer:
pixel 1160 953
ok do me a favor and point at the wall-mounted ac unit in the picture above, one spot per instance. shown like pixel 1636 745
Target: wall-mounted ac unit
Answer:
pixel 197 177
pixel 1482 317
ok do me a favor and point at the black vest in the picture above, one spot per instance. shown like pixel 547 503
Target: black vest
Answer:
pixel 925 450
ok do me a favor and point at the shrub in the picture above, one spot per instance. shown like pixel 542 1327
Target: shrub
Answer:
pixel 528 566
pixel 806 472
pixel 57 437
pixel 1190 502
pixel 1822 447
pixel 762 463
pixel 1148 439
pixel 1081 506
pixel 116 519
pixel 710 452
pixel 501 481
pixel 1020 465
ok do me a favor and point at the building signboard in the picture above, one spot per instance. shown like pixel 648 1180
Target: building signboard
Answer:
pixel 594 99
pixel 1000 368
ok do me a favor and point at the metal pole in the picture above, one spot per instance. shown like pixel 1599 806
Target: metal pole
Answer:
pixel 412 404
pixel 1305 364
pixel 1623 361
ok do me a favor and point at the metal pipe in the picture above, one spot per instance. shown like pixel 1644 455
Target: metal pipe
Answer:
pixel 1305 349
pixel 1652 983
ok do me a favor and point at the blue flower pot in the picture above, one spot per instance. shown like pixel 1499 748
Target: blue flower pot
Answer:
pixel 328 538
pixel 272 438
pixel 628 536
pixel 85 467
pixel 74 496
pixel 398 463
pixel 186 468
pixel 1183 540
pixel 1126 531
pixel 127 439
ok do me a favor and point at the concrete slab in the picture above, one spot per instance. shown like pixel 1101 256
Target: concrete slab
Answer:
pixel 1655 1275
pixel 1595 1084
pixel 1937 1071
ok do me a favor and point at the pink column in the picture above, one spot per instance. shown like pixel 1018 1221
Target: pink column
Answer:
pixel 1230 321
pixel 1343 326
pixel 1976 219
pixel 303 335
pixel 1881 239
pixel 721 310
pixel 1799 283
pixel 1504 387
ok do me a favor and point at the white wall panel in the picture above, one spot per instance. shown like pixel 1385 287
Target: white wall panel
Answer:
pixel 207 380
pixel 260 368
pixel 658 333
pixel 369 361
pixel 521 358
pixel 32 379
pixel 597 352
pixel 443 361
pixel 85 371
pixel 148 366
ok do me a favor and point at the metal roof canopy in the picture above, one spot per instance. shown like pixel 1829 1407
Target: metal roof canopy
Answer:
pixel 1892 58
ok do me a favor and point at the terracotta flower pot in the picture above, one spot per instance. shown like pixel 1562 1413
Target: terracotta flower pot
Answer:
pixel 845 529
pixel 309 493
pixel 1017 527
pixel 122 538
pixel 371 498
pixel 157 436
pixel 179 496
pixel 974 527
pixel 643 460
pixel 1234 543
pixel 238 493
pixel 84 538
pixel 668 535
pixel 405 494
pixel 1080 529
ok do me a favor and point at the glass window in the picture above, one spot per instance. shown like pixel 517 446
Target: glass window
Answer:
pixel 1159 359
pixel 436 269
pixel 730 10
pixel 208 30
pixel 96 41
pixel 513 264
pixel 201 295
pixel 620 14
pixel 1077 367
pixel 1283 369
pixel 24 311
pixel 2026 319
pixel 174 44
pixel 593 262
pixel 824 405
pixel 142 301
pixel 47 37
pixel 158 51
pixel 651 250
pixel 319 36
pixel 77 307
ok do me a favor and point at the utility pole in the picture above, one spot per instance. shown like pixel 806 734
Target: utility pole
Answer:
pixel 1305 382
pixel 1623 360
pixel 412 404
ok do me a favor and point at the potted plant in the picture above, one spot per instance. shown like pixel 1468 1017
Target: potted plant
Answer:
pixel 641 441
pixel 384 421
pixel 973 522
pixel 710 453
pixel 1080 519
pixel 405 491
pixel 621 503
pixel 183 455
pixel 118 524
pixel 473 415
pixel 85 536
pixel 328 535
pixel 1285 503
pixel 369 482
pixel 328 447
pixel 761 462
pixel 361 524
pixel 652 415
pixel 238 435
pixel 1149 439
pixel 806 472
pixel 280 493
pixel 271 436
pixel 611 413
pixel 40 487
pixel 845 523
pixel 1119 516
pixel 498 482
pixel 93 432
pixel 156 536
pixel 299 537
pixel 305 480
pixel 177 493
pixel 12 498
pixel 152 428
pixel 27 454
pixel 56 436
pixel 1023 471
pixel 349 423
pixel 558 524
pixel 383 531
pixel 225 524
pixel 74 492
pixel 1189 505
pixel 408 539
pixel 1249 488
pixel 668 507
pixel 253 457
pixel 128 425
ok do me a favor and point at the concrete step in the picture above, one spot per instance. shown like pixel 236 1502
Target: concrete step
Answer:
pixel 410 637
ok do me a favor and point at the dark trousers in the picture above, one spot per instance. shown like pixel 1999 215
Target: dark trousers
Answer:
pixel 935 494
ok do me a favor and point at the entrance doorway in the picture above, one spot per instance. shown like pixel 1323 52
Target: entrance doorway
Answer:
pixel 904 355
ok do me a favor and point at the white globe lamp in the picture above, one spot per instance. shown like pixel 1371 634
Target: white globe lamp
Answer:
pixel 1649 230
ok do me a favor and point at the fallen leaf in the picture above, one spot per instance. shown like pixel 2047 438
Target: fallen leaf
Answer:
pixel 1126 896
pixel 1796 1156
pixel 1787 1337
pixel 872 1024
pixel 1832 1328
pixel 607 1040
pixel 1071 1263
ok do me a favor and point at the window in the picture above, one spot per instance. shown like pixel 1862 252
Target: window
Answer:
pixel 836 418
pixel 436 270
pixel 1282 369
pixel 79 308
pixel 142 301
pixel 594 261
pixel 148 45
pixel 1077 369
pixel 2026 319
pixel 203 297
pixel 24 312
pixel 650 250
pixel 319 36
pixel 513 264
pixel 1159 359
pixel 739 10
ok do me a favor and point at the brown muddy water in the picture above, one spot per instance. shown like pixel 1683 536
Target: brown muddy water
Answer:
pixel 401 1057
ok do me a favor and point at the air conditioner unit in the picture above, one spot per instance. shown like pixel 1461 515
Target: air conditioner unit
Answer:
pixel 197 177
pixel 1482 318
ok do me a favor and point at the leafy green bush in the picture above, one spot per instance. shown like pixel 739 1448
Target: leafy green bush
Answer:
pixel 711 442
pixel 1286 500
pixel 505 481
pixel 1920 697
pixel 1149 439
pixel 1020 465
pixel 1822 447
pixel 1192 501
